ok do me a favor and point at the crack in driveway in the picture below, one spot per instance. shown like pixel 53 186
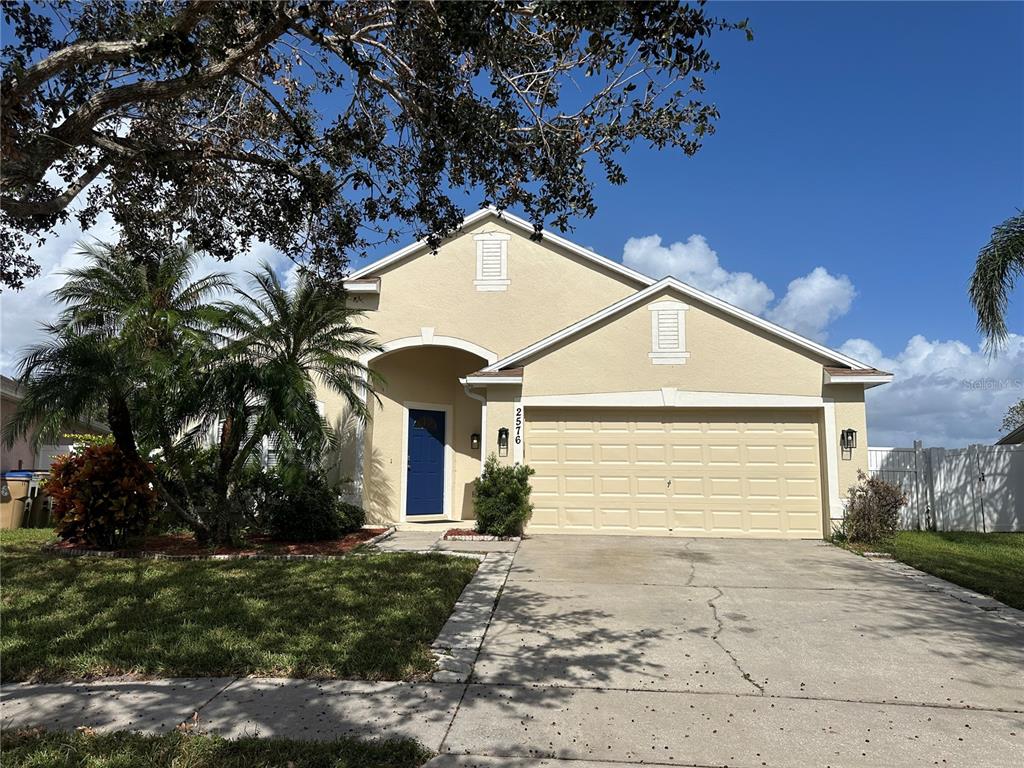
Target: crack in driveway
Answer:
pixel 715 639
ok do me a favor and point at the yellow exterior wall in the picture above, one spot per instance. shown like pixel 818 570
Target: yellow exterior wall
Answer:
pixel 725 356
pixel 549 289
pixel 501 413
pixel 850 413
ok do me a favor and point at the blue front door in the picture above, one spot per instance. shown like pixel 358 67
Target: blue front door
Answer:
pixel 425 473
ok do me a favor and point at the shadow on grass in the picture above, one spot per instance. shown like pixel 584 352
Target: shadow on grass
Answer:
pixel 176 749
pixel 365 617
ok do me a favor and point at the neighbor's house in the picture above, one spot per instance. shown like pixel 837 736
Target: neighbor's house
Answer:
pixel 24 454
pixel 1015 437
pixel 645 406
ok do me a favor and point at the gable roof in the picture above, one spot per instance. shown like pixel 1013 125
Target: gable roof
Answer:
pixel 686 290
pixel 517 223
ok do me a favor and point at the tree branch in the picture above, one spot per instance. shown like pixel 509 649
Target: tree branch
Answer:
pixel 84 54
pixel 21 209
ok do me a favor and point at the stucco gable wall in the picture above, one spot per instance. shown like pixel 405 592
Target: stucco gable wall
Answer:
pixel 726 355
pixel 549 289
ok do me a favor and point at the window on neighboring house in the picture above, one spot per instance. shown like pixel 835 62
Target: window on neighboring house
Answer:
pixel 491 261
pixel 271 451
pixel 668 333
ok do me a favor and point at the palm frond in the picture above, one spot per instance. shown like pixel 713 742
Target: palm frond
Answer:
pixel 1000 263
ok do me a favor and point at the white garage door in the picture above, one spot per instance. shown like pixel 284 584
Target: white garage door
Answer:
pixel 744 473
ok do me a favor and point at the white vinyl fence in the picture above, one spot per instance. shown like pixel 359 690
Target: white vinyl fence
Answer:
pixel 978 488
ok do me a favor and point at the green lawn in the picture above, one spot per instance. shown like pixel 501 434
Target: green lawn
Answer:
pixel 176 750
pixel 989 563
pixel 366 616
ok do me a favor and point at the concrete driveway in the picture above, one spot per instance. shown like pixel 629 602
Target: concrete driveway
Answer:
pixel 741 653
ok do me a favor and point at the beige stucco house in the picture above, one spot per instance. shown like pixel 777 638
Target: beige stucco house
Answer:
pixel 645 406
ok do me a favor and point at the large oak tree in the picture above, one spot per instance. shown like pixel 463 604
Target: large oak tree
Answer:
pixel 318 126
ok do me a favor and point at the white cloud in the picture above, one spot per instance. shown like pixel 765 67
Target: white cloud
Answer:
pixel 23 313
pixel 812 302
pixel 945 393
pixel 695 262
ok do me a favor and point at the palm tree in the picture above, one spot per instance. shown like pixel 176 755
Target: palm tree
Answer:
pixel 999 265
pixel 128 332
pixel 289 340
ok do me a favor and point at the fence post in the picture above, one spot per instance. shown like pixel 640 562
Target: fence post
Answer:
pixel 919 500
pixel 934 462
pixel 973 477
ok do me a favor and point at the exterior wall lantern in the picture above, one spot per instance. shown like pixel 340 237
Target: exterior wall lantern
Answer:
pixel 503 441
pixel 474 441
pixel 847 442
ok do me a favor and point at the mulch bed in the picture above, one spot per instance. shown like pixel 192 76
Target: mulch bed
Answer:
pixel 184 545
pixel 471 534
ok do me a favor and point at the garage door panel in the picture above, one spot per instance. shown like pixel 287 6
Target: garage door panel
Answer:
pixel 727 521
pixel 688 487
pixel 656 487
pixel 610 518
pixel 579 485
pixel 579 517
pixel 542 452
pixel 692 521
pixel 652 518
pixel 614 453
pixel 723 455
pixel 615 486
pixel 544 485
pixel 544 517
pixel 578 453
pixel 711 472
pixel 650 454
pixel 762 488
pixel 686 454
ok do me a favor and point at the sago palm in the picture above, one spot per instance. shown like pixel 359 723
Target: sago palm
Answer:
pixel 1000 263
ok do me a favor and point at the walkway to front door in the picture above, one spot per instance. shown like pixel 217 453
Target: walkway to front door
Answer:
pixel 425 469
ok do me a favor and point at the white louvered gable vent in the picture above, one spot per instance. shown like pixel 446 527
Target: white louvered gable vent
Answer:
pixel 668 333
pixel 491 261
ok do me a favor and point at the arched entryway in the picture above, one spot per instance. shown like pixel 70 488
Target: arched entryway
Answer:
pixel 418 460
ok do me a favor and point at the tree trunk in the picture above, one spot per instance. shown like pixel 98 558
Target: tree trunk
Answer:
pixel 119 419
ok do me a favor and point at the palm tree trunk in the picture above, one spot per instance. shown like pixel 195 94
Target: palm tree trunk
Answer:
pixel 119 419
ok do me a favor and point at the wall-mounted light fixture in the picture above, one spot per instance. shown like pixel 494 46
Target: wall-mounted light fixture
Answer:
pixel 474 441
pixel 848 439
pixel 503 441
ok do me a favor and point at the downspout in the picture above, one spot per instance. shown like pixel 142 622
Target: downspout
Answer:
pixel 483 421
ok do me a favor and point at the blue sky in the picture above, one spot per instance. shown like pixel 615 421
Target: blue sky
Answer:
pixel 882 141
pixel 876 141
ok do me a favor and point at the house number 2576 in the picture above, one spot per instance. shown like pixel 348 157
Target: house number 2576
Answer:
pixel 519 425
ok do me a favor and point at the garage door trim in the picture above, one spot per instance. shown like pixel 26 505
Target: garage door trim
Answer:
pixel 671 398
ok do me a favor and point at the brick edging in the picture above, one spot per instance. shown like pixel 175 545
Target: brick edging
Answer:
pixel 138 554
pixel 480 537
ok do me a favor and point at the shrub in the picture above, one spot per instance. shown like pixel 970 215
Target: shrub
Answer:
pixel 353 517
pixel 219 519
pixel 873 510
pixel 304 507
pixel 501 498
pixel 99 497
